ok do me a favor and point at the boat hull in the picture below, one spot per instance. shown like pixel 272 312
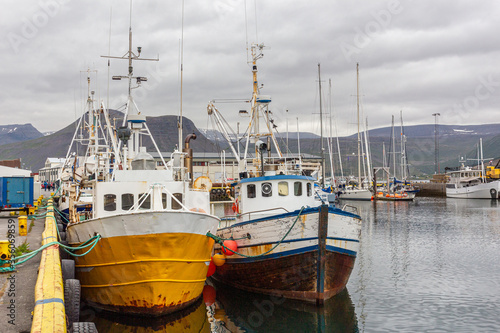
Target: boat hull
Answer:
pixel 312 263
pixel 489 190
pixel 355 194
pixel 150 263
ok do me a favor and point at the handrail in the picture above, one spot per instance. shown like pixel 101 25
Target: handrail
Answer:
pixel 354 208
pixel 263 210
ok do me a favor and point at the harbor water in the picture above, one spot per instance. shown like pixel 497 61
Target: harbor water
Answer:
pixel 431 265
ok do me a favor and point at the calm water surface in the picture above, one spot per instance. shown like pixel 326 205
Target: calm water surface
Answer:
pixel 432 265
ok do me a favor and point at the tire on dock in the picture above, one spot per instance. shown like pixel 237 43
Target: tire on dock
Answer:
pixel 68 269
pixel 63 254
pixel 83 328
pixel 72 290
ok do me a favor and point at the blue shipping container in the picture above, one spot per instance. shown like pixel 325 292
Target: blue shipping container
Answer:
pixel 16 192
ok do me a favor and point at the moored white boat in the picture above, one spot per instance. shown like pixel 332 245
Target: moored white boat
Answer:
pixel 153 253
pixel 468 184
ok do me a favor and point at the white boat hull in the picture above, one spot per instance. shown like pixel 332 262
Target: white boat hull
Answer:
pixel 489 190
pixel 355 194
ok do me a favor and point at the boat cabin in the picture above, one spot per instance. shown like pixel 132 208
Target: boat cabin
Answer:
pixel 464 178
pixel 274 194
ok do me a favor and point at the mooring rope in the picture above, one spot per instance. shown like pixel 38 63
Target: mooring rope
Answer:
pixel 92 242
pixel 221 240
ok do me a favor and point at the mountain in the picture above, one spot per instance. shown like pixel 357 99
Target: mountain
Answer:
pixel 417 131
pixel 163 128
pixel 454 141
pixel 18 133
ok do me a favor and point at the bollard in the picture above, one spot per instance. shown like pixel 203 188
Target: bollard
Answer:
pixel 23 225
pixel 31 210
pixel 4 252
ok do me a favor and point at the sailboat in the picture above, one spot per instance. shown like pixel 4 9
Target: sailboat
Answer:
pixel 397 190
pixel 289 244
pixel 153 253
pixel 356 192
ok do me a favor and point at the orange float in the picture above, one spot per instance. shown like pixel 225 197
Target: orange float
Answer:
pixel 230 247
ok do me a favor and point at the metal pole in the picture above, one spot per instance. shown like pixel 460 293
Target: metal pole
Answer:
pixel 436 143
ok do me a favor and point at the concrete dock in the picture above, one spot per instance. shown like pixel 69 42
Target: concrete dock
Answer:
pixel 17 297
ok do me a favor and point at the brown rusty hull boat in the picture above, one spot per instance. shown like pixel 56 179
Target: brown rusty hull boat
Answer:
pixel 303 266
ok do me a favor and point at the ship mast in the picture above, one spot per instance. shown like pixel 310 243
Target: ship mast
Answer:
pixel 359 139
pixel 321 131
pixel 138 121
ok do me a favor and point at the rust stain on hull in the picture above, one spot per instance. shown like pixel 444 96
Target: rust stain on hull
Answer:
pixel 142 308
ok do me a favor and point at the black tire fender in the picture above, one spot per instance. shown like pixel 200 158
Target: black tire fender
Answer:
pixel 72 291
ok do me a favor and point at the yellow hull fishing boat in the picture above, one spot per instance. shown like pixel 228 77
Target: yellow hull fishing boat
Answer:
pixel 153 253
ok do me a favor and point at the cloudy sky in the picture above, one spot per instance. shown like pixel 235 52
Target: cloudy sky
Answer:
pixel 421 57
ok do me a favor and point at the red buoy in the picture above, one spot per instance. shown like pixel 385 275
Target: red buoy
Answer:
pixel 211 269
pixel 230 247
pixel 208 295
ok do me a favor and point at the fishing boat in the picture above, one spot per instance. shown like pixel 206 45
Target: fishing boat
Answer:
pixel 468 183
pixel 153 253
pixel 289 244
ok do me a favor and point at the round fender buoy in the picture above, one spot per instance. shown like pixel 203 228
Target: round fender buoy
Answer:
pixel 219 259
pixel 209 295
pixel 230 247
pixel 211 269
pixel 197 210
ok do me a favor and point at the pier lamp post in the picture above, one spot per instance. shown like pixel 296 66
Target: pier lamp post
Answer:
pixel 436 144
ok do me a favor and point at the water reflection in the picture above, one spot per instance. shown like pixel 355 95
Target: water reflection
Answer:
pixel 428 265
pixel 241 311
pixel 193 319
pixel 425 266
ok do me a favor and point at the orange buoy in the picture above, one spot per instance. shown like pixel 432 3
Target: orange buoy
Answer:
pixel 230 247
pixel 219 259
pixel 209 295
pixel 211 269
pixel 197 210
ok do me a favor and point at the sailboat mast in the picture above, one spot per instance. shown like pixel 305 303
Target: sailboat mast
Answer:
pixel 403 150
pixel 393 137
pixel 330 134
pixel 367 151
pixel 321 131
pixel 359 139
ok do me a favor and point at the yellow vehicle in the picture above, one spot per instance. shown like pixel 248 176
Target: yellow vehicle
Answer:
pixel 493 172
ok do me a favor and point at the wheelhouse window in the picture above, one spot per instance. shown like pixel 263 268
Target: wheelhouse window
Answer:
pixel 283 189
pixel 109 202
pixel 176 203
pixel 164 200
pixel 309 189
pixel 297 189
pixel 251 192
pixel 145 202
pixel 127 201
pixel 267 189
